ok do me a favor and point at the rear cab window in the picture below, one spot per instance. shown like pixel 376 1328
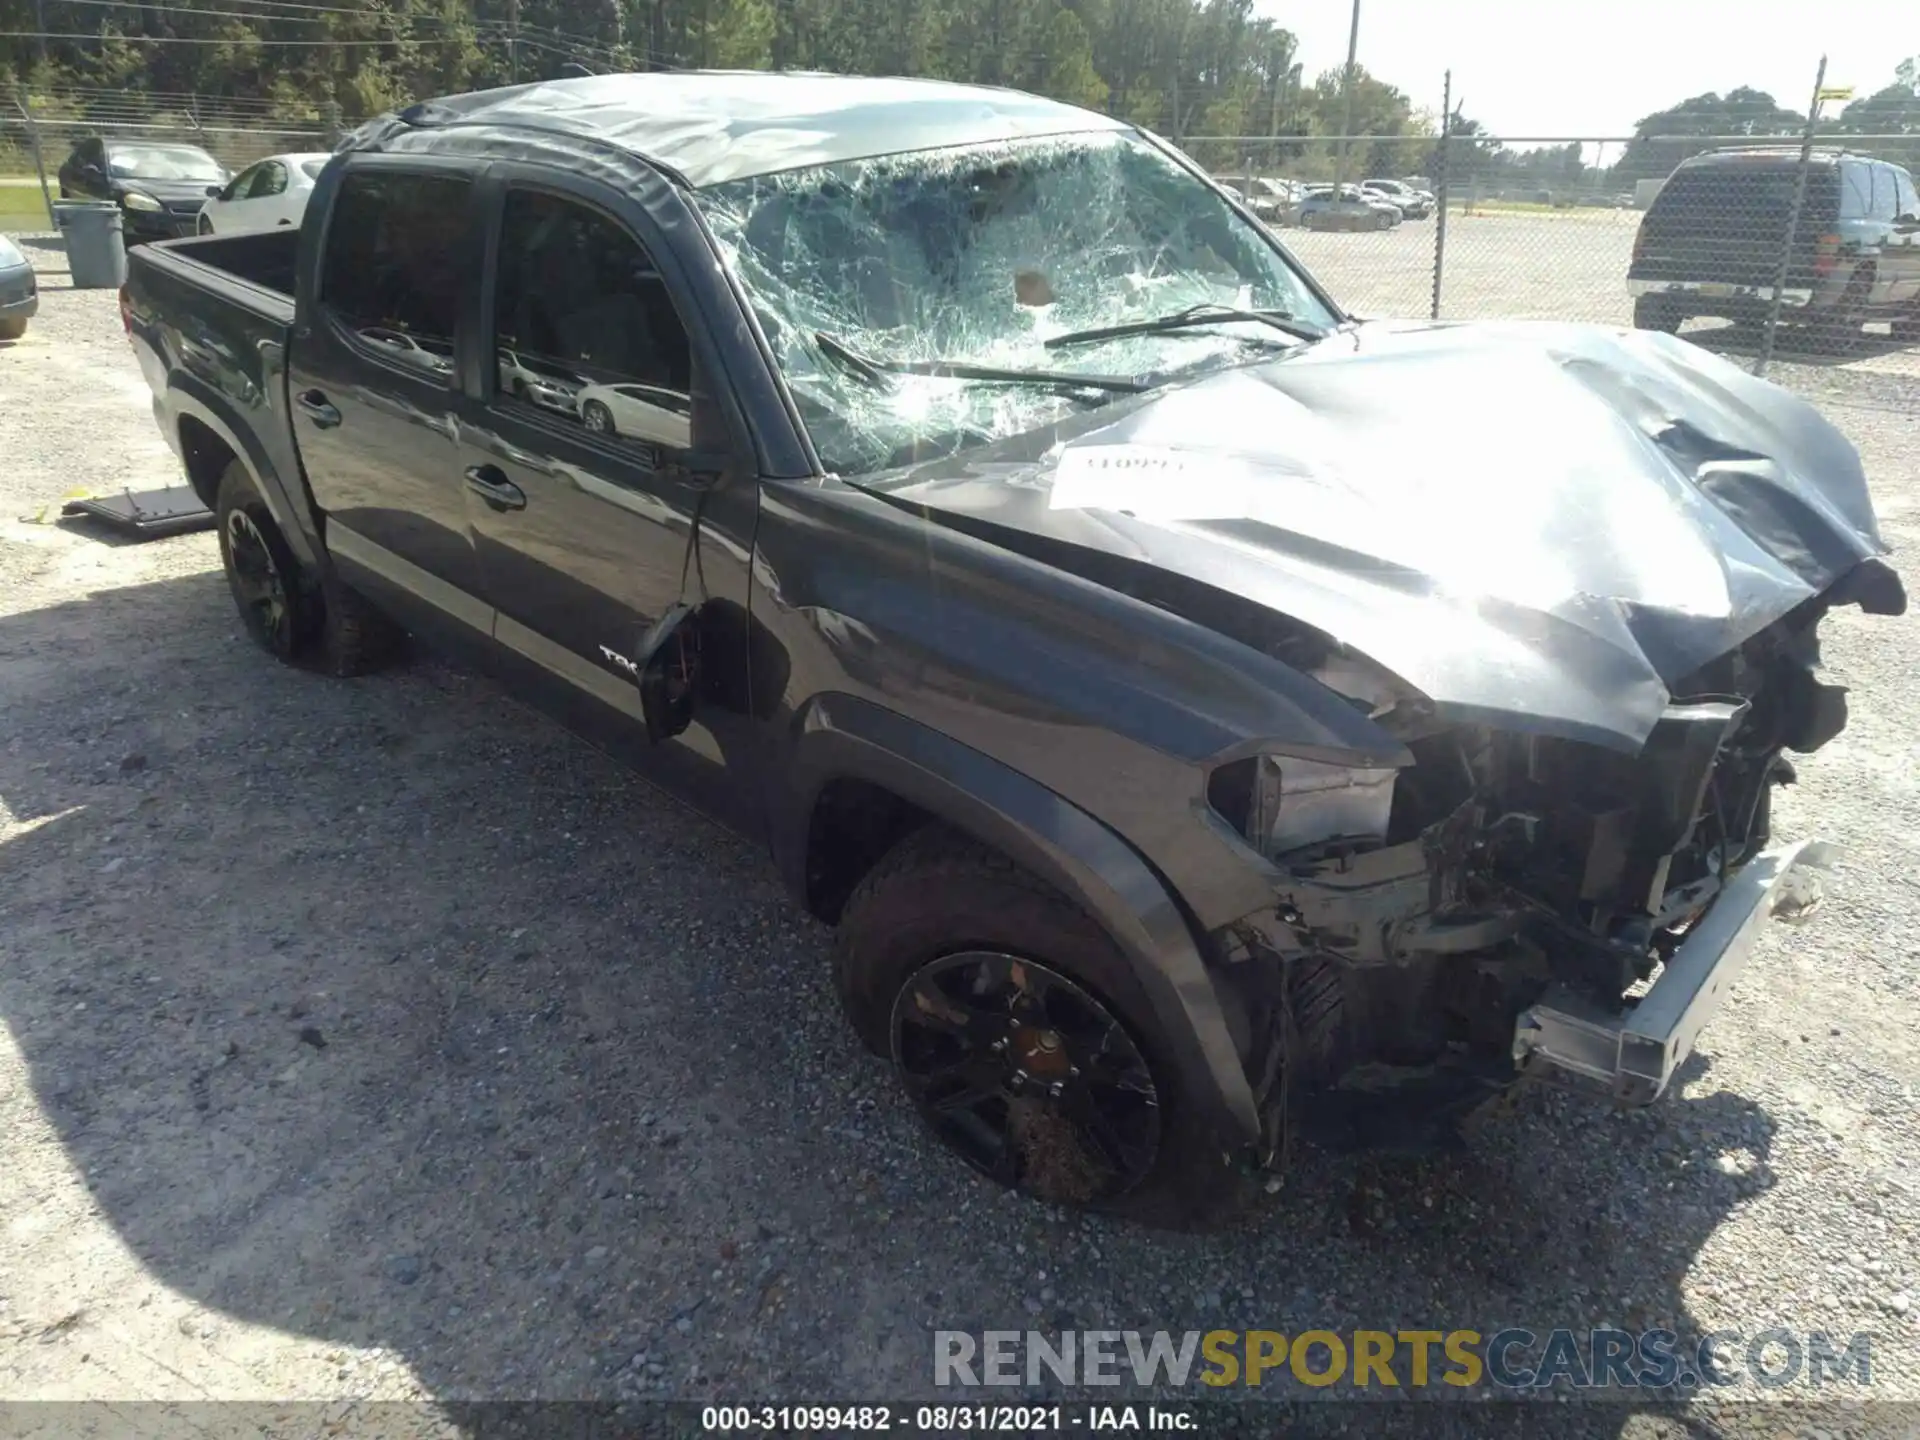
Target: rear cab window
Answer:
pixel 392 272
pixel 1745 194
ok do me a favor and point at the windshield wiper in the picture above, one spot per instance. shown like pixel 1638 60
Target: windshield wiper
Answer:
pixel 874 371
pixel 1192 316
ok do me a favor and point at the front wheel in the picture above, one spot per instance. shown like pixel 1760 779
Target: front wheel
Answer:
pixel 597 418
pixel 1022 1036
pixel 205 226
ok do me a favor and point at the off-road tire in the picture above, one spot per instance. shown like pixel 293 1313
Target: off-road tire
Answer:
pixel 1839 331
pixel 940 893
pixel 1906 328
pixel 329 627
pixel 1656 312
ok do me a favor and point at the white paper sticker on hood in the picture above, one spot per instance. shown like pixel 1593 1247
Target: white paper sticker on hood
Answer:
pixel 1154 482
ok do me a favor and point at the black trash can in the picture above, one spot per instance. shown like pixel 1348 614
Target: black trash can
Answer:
pixel 96 254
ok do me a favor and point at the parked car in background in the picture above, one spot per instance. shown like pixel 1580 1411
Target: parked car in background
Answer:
pixel 1276 201
pixel 19 291
pixel 539 383
pixel 267 194
pixel 1351 209
pixel 422 352
pixel 655 414
pixel 160 186
pixel 1710 244
pixel 1208 719
pixel 1413 204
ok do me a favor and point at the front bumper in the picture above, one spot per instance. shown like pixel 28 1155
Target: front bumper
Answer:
pixel 19 295
pixel 159 224
pixel 1710 298
pixel 1634 1055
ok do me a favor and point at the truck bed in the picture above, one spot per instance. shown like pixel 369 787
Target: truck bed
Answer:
pixel 256 269
pixel 211 319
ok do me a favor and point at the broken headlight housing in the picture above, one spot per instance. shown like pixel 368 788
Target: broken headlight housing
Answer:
pixel 1283 803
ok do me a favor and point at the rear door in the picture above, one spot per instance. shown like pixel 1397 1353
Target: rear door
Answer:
pixel 267 197
pixel 1903 246
pixel 373 379
pixel 1723 223
pixel 581 502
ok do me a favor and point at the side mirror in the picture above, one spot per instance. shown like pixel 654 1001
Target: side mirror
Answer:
pixel 668 666
pixel 216 192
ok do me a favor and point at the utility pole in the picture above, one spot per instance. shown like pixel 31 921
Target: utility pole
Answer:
pixel 1346 117
pixel 1793 218
pixel 513 42
pixel 1273 116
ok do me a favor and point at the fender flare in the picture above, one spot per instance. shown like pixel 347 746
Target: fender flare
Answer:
pixel 190 397
pixel 839 736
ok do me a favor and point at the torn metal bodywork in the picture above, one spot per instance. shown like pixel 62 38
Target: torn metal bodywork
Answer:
pixel 1588 612
pixel 1540 527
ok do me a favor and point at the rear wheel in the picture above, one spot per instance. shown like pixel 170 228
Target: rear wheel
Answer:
pixel 1656 312
pixel 1906 328
pixel 286 611
pixel 13 327
pixel 1839 330
pixel 1021 1035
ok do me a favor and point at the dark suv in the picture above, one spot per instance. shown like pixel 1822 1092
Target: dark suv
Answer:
pixel 1710 244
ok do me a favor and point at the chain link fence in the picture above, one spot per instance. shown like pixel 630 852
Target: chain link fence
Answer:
pixel 39 129
pixel 1771 249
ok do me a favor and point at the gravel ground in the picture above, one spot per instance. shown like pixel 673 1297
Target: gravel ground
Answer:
pixel 379 1039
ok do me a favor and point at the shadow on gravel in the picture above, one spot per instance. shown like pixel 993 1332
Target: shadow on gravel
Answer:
pixel 385 1013
pixel 1794 345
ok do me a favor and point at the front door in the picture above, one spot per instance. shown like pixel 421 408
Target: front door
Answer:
pixel 582 511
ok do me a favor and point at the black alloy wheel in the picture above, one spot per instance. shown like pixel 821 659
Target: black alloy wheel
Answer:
pixel 260 585
pixel 1027 1076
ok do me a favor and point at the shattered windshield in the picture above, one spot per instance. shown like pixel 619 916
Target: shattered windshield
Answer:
pixel 977 256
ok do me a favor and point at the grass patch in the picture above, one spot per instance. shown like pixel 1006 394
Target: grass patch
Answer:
pixel 1459 206
pixel 21 208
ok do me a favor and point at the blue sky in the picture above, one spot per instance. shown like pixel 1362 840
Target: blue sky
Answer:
pixel 1545 67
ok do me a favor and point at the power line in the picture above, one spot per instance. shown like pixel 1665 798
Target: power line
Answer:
pixel 200 39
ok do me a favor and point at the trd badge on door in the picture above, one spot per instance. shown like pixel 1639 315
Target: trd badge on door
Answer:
pixel 622 661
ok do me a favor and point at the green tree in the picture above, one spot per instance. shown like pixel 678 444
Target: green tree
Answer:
pixel 1066 63
pixel 1739 113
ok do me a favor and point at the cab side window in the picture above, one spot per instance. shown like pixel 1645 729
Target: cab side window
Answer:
pixel 585 332
pixel 395 264
pixel 1909 199
pixel 1885 194
pixel 269 179
pixel 241 186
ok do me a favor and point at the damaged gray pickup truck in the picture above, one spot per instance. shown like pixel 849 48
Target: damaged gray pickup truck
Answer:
pixel 1206 717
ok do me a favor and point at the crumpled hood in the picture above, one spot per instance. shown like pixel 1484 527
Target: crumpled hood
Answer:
pixel 1538 526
